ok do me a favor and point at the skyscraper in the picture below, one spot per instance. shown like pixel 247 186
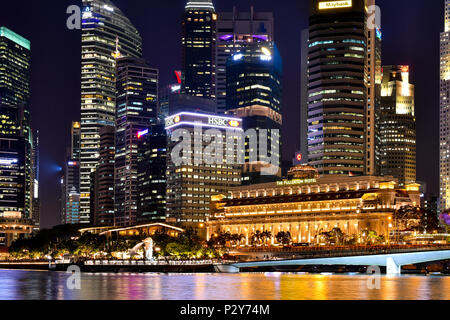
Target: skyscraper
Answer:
pixel 70 197
pixel 445 113
pixel 137 107
pixel 151 174
pixel 16 145
pixel 337 92
pixel 254 93
pixel 205 170
pixel 102 181
pixel 105 32
pixel 234 30
pixel 397 126
pixel 199 49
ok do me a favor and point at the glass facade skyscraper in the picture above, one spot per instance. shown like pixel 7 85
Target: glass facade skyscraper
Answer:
pixel 16 139
pixel 137 109
pixel 337 89
pixel 234 30
pixel 151 174
pixel 254 93
pixel 199 49
pixel 105 32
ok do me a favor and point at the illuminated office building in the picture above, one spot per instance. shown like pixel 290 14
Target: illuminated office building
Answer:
pixel 137 107
pixel 203 171
pixel 105 32
pixel 70 183
pixel 151 174
pixel 307 205
pixel 199 49
pixel 234 30
pixel 337 89
pixel 16 138
pixel 397 125
pixel 165 94
pixel 102 181
pixel 254 93
pixel 15 219
pixel 445 113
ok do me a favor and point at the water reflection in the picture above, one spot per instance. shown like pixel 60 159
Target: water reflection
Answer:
pixel 35 285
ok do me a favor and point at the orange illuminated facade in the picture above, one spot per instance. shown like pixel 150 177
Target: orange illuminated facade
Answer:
pixel 310 206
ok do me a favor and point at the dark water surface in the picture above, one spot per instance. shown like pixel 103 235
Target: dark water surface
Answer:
pixel 42 285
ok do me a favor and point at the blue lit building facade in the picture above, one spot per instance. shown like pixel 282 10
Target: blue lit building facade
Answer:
pixel 254 93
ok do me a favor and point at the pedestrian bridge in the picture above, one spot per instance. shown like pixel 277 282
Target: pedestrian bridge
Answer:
pixel 392 262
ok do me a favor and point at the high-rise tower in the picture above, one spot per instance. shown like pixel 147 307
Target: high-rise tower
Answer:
pixel 337 89
pixel 199 49
pixel 105 30
pixel 445 113
pixel 137 104
pixel 254 93
pixel 397 126
pixel 234 30
pixel 16 145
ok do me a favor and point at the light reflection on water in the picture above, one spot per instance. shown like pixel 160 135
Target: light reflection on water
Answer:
pixel 33 285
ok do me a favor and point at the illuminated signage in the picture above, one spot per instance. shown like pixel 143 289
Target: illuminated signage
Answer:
pixel 299 157
pixel 175 88
pixel 187 118
pixel 142 133
pixel 12 215
pixel 335 4
pixel 8 162
pixel 296 182
pixel 72 163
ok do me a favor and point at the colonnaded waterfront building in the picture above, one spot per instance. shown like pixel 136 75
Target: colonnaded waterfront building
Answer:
pixel 307 205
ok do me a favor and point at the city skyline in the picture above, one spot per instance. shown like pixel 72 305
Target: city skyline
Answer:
pixel 53 153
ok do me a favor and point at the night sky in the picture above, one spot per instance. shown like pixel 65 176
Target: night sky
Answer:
pixel 410 36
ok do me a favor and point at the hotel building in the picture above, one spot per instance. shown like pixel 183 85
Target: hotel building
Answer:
pixel 445 113
pixel 208 164
pixel 337 87
pixel 105 32
pixel 234 30
pixel 307 205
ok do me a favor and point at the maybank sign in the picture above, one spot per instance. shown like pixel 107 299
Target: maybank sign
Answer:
pixel 335 4
pixel 204 120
